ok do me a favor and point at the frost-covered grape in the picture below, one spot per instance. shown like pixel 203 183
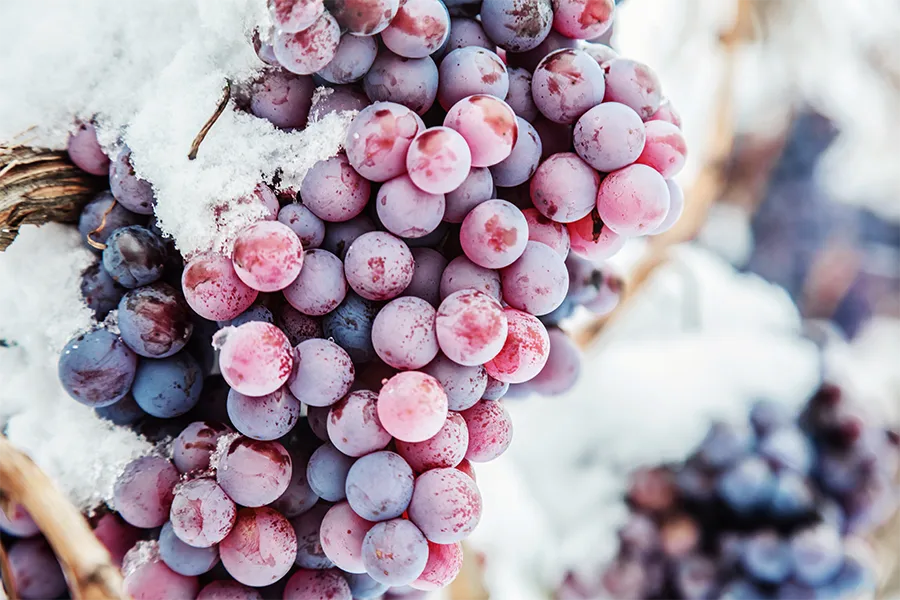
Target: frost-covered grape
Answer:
pixel 196 442
pixel 378 266
pixel 412 82
pixel 487 124
pixel 563 367
pixel 295 15
pixel 255 359
pixel 354 426
pixel 320 287
pixel 297 326
pixel 168 387
pixel 564 188
pixel 425 284
pixel 337 99
pixel 490 431
pixel 446 448
pixel 323 372
pixel 302 221
pixel 134 256
pixel 525 351
pixel 154 320
pixel 309 548
pixel 412 406
pixel 407 211
pixel 147 577
pixel 308 51
pixel 317 585
pixel 522 163
pixel 84 150
pixel 665 149
pixel 463 274
pixel 566 84
pixel 465 33
pixel 817 554
pixel 352 60
pixel 378 140
pixel 267 256
pixel 213 290
pixel 144 490
pixel 537 282
pixel 299 496
pixel 471 327
pixel 475 189
pixel 257 312
pixel 364 17
pixel 282 98
pixel 201 514
pixel 341 536
pixel 530 59
pixel 261 547
pixel 633 201
pixel 418 29
pixel 182 558
pixel 517 25
pixel 227 590
pixel 592 239
pixel 464 386
pixel 633 84
pixel 17 522
pixel 254 472
pixel 266 417
pixel 116 535
pixel 543 230
pixel 519 96
pixel 364 587
pixel 130 191
pixel 403 333
pixel 583 19
pixel 667 113
pixel 610 136
pixel 327 473
pixel 350 326
pixel 468 71
pixel 339 236
pixel 395 552
pixel 105 206
pixel 495 389
pixel 555 138
pixel 438 160
pixel 494 234
pixel 676 207
pixel 334 191
pixel 446 505
pixel 379 486
pixel 97 368
pixel 444 563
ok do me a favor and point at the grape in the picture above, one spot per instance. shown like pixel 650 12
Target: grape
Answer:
pixel 564 188
pixel 633 84
pixel 308 51
pixel 154 321
pixel 446 448
pixel 252 472
pixel 395 552
pixel 444 564
pixel 282 98
pixel 213 290
pixel 342 532
pixel 317 585
pixel 438 160
pixel 337 99
pixel 543 230
pixel 323 372
pixel 747 485
pixel 419 28
pixel 633 201
pixel 297 326
pixel 466 33
pixel 257 312
pixel 788 448
pixel 471 327
pixel 817 554
pixel 302 221
pixel 403 333
pixel 378 140
pixel 184 559
pixel 599 52
pixel 412 82
pixel 563 367
pixel 350 326
pixel 519 97
pixel 35 570
pixel 310 554
pixel 16 522
pixel 143 491
pixel 320 287
pixel 194 445
pixel 84 150
pixel 463 274
pixel 97 368
pixel 679 536
pixel 475 189
pixel 488 126
pixel 609 136
pixel 517 25
pixel 676 208
pixel 665 149
pixel 100 293
pixel 378 266
pixel 299 496
pixel 445 505
pixel 522 163
pixel 339 236
pixel 295 15
pixel 227 590
pixel 364 587
pixel 255 359
pixel 364 17
pixel 147 577
pixel 583 19
pixel 495 389
pixel 468 71
pixel 464 386
pixel 696 577
pixel 116 535
pixel 131 192
pixel 554 138
pixel 537 282
pixel 530 59
pixel 724 445
pixel 352 60
pixel 494 234
pixel 201 514
pixel 525 351
pixel 268 256
pixel 105 206
pixel 379 486
pixel 412 406
pixel 266 417
pixel 667 113
pixel 407 211
pixel 767 558
pixel 168 387
pixel 791 496
pixel 134 256
pixel 608 296
pixel 327 473
pixel 354 426
pixel 490 431
pixel 592 239
pixel 425 284
pixel 261 547
pixel 566 84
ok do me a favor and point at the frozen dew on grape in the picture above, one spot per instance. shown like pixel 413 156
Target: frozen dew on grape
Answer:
pixel 525 350
pixel 308 51
pixel 407 211
pixel 213 289
pixel 412 82
pixel 403 333
pixel 487 124
pixel 320 286
pixel 253 472
pixel 201 514
pixel 467 71
pixel 438 160
pixel 446 505
pixel 566 84
pixel 633 201
pixel 261 547
pixel 564 188
pixel 354 426
pixel 378 140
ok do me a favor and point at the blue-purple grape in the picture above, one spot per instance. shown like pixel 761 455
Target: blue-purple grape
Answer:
pixel 130 191
pixel 134 256
pixel 104 209
pixel 327 472
pixel 184 559
pixel 100 291
pixel 350 326
pixel 310 554
pixel 412 82
pixel 97 368
pixel 395 552
pixel 168 387
pixel 380 486
pixel 154 320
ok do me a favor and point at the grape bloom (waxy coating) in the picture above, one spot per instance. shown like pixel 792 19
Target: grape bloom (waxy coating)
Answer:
pixel 253 472
pixel 566 84
pixel 494 234
pixel 342 533
pixel 446 505
pixel 412 406
pixel 267 256
pixel 255 359
pixel 525 350
pixel 446 448
pixel 633 201
pixel 323 372
pixel 471 327
pixel 403 333
pixel 438 160
pixel 487 124
pixel 378 266
pixel 261 547
pixel 378 140
pixel 564 188
pixel 395 552
pixel 354 426
pixel 202 514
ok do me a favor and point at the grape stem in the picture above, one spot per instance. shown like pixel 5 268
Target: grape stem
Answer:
pixel 91 242
pixel 220 108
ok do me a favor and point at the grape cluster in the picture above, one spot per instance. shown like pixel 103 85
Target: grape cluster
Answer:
pixel 767 510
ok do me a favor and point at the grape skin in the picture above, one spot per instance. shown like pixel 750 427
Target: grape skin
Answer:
pixel 412 82
pixel 317 585
pixel 517 25
pixel 525 351
pixel 213 290
pixel 154 321
pixel 494 234
pixel 292 16
pixel 302 221
pixel 583 19
pixel 563 367
pixel 490 431
pixel 364 587
pixel 227 590
pixel 665 149
pixel 364 17
pixel 354 426
pixel 341 98
pixel 131 192
pixel 468 71
pixel 519 96
pixel 193 446
pixel 543 230
pixel 419 28
pixel 266 417
pixel 634 84
pixel 267 256
pixel 446 448
pixel 143 492
pixel 333 190
pixel 554 138
pixel 84 150
pixel 252 472
pixel 309 549
pixel 116 535
pixel 599 52
pixel 667 113
pixel 282 98
pixel 495 389
pixel 425 284
pixel 461 273
pixel 255 359
pixel 379 486
pixel 471 327
pixel 327 473
pixel 403 333
pixel 134 256
pixel 350 326
pixel 464 386
pixel 341 535
pixel 352 60
pixel 487 124
pixel 407 211
pixel 299 497
pixel 202 514
pixel 323 372
pixel 475 189
pixel 261 547
pixel 117 216
pixel 320 286
pixel 465 33
pixel 444 564
pixel 537 282
pixel 439 160
pixel 378 266
pixel 395 552
pixel 591 239
pixel 633 201
pixel 566 84
pixel 97 368
pixel 35 569
pixel 609 136
pixel 531 58
pixel 168 387
pixel 150 578
pixel 446 505
pixel 412 406
pixel 310 50
pixel 676 207
pixel 257 312
pixel 524 159
pixel 184 559
pixel 378 140
pixel 564 188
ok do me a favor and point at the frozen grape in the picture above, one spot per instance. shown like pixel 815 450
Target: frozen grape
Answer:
pixel 446 448
pixel 464 386
pixel 465 33
pixel 168 387
pixel 537 282
pixel 633 201
pixel 554 138
pixel 395 552
pixel 228 590
pixel 379 486
pixel 16 522
pixel 543 230
pixel 468 71
pixel 297 326
pixel 525 351
pixel 378 266
pixel 530 59
pixel 308 51
pixel 364 17
pixel 201 514
pixel 100 292
pixel 253 472
pixel 419 28
pixel 266 417
pixel 566 84
pixel 767 558
pixel 144 490
pixel 665 149
pixel 320 287
pixel 471 327
pixel 97 368
pixel 788 448
pixel 817 554
pixel 564 188
pixel 299 496
pixel 446 505
pixel 407 211
pixel 599 52
pixel 412 406
pixel 130 191
pixel 438 160
pixel 147 577
pixel 213 290
pixel 327 473
pixel 475 189
pixel 425 284
pixel 517 25
pixel 354 426
pixel 676 207
pixel 563 367
pixel 35 570
pixel 194 445
pixel 412 82
pixel 592 239
pixel 488 126
pixel 495 389
pixel 633 84
pixel 667 113
pixel 403 333
pixel 350 326
pixel 490 431
pixel 134 256
pixel 519 96
pixel 609 136
pixel 378 140
pixel 310 554
pixel 261 547
pixel 102 216
pixel 494 234
pixel 154 321
pixel 463 274
pixel 339 236
pixel 323 372
pixel 352 60
pixel 302 221
pixel 364 587
pixel 583 19
pixel 257 312
pixel 444 564
pixel 295 15
pixel 522 163
pixel 255 359
pixel 282 98
pixel 182 558
pixel 342 533
pixel 267 256
pixel 747 485
pixel 337 99
pixel 317 585
pixel 116 535
pixel 84 150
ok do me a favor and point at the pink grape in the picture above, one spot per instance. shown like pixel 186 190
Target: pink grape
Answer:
pixel 282 98
pixel 609 136
pixel 407 211
pixel 523 161
pixel 633 84
pixel 599 52
pixel 563 367
pixel 525 351
pixel 295 15
pixel 477 187
pixel 425 284
pixel 495 389
pixel 116 535
pixel 267 256
pixel 537 282
pixel 467 468
pixel 543 230
pixel 593 240
pixel 438 160
pixel 488 126
pixel 201 514
pixel 403 333
pixel 517 25
pixel 418 29
pixel 337 99
pixel 323 372
pixel 378 266
pixel 334 191
pixel 85 151
pixel 444 564
pixel 412 82
pixel 490 431
pixel 148 578
pixel 144 490
pixel 412 406
pixel 193 446
pixel 667 113
pixel 18 522
pixel 255 358
pixel 213 289
pixel 566 84
pixel 227 590
pixel 297 326
pixel 253 472
pixel 378 140
pixel 352 60
pixel 665 149
pixel 531 58
pixel 266 417
pixel 261 547
pixel 463 274
pixel 308 584
pixel 555 138
pixel 299 497
pixel 465 33
pixel 633 201
pixel 364 17
pixel 471 327
pixel 317 416
pixel 676 207
pixel 379 486
pixel 564 188
pixel 446 505
pixel 308 51
pixel 464 386
pixel 302 221
pixel 342 535
pixel 494 234
pixel 395 552
pixel 446 448
pixel 310 554
pixel 468 71
pixel 583 19
pixel 320 287
pixel 519 96
pixel 327 473
pixel 354 426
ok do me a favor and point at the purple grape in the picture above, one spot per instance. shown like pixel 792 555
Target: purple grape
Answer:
pixel 257 313
pixel 323 372
pixel 517 25
pixel 336 99
pixel 228 590
pixel 154 320
pixel 134 256
pixel 97 368
pixel 695 577
pixel 425 284
pixel 599 52
pixel 261 547
pixel 310 50
pixel 747 485
pixel 168 387
pixel 494 234
pixel 184 559
pixel 465 33
pixel 130 191
pixel 310 554
pixel 117 536
pixel 633 84
pixel 818 554
pixel 788 448
pixel 395 552
pixel 299 496
pixel 490 431
pixel 354 427
pixel 487 124
pixel 403 333
pixel 495 389
pixel 297 326
pixel 522 163
pixel 792 496
pixel 282 98
pixel 537 282
pixel 566 84
pixel 419 28
pixel 363 587
pixel 378 266
pixel 407 211
pixel 84 150
pixel 144 490
pixel 676 207
pixel 530 59
pixel 379 486
pixel 364 17
pixel 104 206
pixel 302 221
pixel 252 472
pixel 609 136
pixel 201 514
pixel 100 292
pixel 339 236
pixel 445 505
pixel 378 140
pixel 464 386
pixel 463 274
pixel 563 367
pixel 519 95
pixel 320 287
pixel 327 473
pixel 724 444
pixel 213 290
pixel 439 160
pixel 317 585
pixel 468 71
pixel 35 570
pixel 564 188
pixel 555 138
pixel 334 191
pixel 543 230
pixel 266 417
pixel 194 445
pixel 350 326
pixel 477 187
pixel 352 60
pixel 447 448
pixel 767 557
